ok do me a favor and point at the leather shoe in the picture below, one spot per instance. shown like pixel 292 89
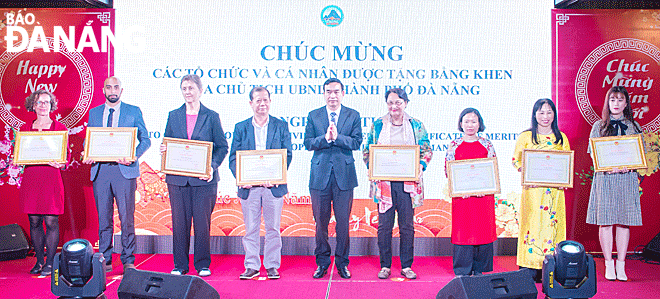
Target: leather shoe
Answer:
pixel 320 272
pixel 344 273
pixel 36 269
pixel 249 274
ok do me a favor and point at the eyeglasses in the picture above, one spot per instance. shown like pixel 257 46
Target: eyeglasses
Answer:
pixel 42 103
pixel 397 103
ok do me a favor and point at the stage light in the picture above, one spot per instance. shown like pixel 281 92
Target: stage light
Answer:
pixel 570 272
pixel 78 271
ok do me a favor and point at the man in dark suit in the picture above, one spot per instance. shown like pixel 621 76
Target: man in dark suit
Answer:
pixel 333 132
pixel 116 180
pixel 261 132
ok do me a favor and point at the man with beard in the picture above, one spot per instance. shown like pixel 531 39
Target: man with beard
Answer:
pixel 117 180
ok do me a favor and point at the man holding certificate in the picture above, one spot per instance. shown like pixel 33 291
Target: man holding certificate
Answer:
pixel 333 132
pixel 116 180
pixel 261 132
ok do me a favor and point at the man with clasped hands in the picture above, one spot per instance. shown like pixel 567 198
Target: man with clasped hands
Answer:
pixel 333 132
pixel 261 132
pixel 117 180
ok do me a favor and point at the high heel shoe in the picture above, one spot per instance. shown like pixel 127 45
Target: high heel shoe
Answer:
pixel 47 270
pixel 621 271
pixel 610 274
pixel 37 268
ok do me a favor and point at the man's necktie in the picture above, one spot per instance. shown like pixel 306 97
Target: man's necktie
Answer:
pixel 333 118
pixel 109 124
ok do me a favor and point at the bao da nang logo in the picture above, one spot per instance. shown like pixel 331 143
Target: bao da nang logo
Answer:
pixel 628 62
pixel 332 16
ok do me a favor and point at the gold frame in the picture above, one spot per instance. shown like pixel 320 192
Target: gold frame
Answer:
pixel 239 166
pixel 496 175
pixel 375 147
pixel 63 150
pixel 88 143
pixel 594 148
pixel 209 156
pixel 571 166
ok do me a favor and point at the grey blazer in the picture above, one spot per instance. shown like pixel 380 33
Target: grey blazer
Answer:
pixel 129 116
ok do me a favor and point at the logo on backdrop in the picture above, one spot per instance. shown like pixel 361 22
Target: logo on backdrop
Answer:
pixel 332 15
pixel 66 74
pixel 628 62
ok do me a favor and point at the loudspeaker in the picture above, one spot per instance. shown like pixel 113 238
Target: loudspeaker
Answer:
pixel 139 284
pixel 13 244
pixel 652 249
pixel 508 285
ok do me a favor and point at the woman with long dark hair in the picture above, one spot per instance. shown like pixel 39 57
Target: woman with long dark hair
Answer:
pixel 614 199
pixel 542 209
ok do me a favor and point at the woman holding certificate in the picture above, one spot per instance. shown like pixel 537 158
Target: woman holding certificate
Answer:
pixel 193 198
pixel 542 209
pixel 614 199
pixel 472 218
pixel 397 128
pixel 42 193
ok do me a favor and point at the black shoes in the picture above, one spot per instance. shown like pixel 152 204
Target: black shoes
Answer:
pixel 46 270
pixel 344 273
pixel 249 274
pixel 36 269
pixel 320 272
pixel 272 273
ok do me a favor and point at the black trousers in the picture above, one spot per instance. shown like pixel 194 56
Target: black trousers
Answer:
pixel 341 202
pixel 402 203
pixel 473 259
pixel 109 187
pixel 192 204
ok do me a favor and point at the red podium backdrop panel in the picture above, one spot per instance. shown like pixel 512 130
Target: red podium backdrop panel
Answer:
pixel 594 50
pixel 74 71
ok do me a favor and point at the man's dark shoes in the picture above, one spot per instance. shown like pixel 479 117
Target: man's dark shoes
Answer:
pixel 344 273
pixel 272 273
pixel 249 274
pixel 320 272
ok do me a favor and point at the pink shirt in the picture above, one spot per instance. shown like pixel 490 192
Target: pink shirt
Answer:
pixel 191 119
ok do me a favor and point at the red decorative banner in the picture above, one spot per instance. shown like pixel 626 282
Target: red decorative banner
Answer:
pixel 67 52
pixel 594 50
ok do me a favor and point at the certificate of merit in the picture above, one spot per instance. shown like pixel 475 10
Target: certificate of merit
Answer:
pixel 258 167
pixel 40 147
pixel 473 177
pixel 393 162
pixel 548 168
pixel 187 157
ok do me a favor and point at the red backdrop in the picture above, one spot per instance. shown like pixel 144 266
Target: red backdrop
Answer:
pixel 76 79
pixel 594 50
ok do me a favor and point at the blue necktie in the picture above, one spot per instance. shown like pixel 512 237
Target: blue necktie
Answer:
pixel 332 117
pixel 109 124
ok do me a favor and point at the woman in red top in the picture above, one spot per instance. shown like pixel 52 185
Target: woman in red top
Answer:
pixel 41 193
pixel 473 218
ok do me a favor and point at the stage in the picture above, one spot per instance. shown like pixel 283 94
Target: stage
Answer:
pixel 296 278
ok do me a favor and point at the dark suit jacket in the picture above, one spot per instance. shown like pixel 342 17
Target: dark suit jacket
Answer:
pixel 336 155
pixel 207 128
pixel 277 137
pixel 129 116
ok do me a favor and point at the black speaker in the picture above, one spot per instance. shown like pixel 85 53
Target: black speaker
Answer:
pixel 508 285
pixel 652 249
pixel 13 244
pixel 139 284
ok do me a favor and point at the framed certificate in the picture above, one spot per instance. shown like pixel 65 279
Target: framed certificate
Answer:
pixel 258 167
pixel 393 162
pixel 187 157
pixel 618 151
pixel 110 144
pixel 547 168
pixel 473 177
pixel 34 147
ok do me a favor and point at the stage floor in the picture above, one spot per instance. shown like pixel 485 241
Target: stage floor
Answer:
pixel 297 282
